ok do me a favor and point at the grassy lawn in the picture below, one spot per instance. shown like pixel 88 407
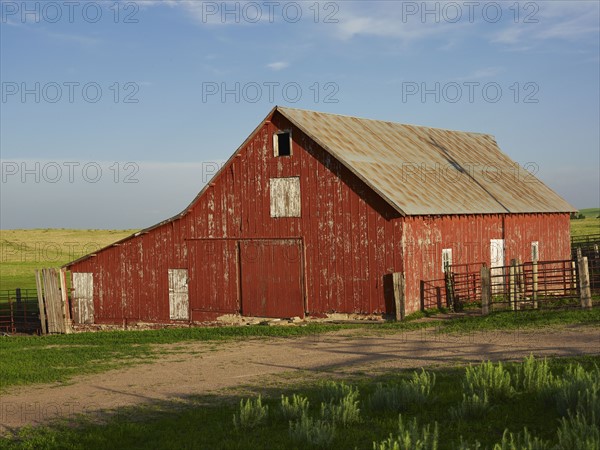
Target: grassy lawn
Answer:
pixel 58 358
pixel 399 410
pixel 23 251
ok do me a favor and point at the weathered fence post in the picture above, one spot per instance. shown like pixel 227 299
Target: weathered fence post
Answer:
pixel 534 271
pixel 398 282
pixel 486 290
pixel 449 284
pixel 438 296
pixel 65 299
pixel 512 288
pixel 422 294
pixel 520 284
pixel 40 295
pixel 584 282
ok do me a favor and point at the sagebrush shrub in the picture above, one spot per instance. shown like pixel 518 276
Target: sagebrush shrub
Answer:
pixel 579 391
pixel 395 397
pixel 471 407
pixel 418 389
pixel 411 437
pixel 578 432
pixel 534 376
pixel 251 414
pixel 488 377
pixel 344 412
pixel 294 408
pixel 336 390
pixel 520 441
pixel 386 397
pixel 316 433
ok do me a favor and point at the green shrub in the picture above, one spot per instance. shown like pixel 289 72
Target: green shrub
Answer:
pixel 395 397
pixel 411 437
pixel 386 397
pixel 578 432
pixel 295 408
pixel 489 378
pixel 418 389
pixel 344 413
pixel 463 445
pixel 472 407
pixel 334 391
pixel 252 413
pixel 534 376
pixel 578 391
pixel 520 441
pixel 316 433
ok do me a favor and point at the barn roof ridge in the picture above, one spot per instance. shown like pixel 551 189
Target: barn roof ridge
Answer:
pixel 422 170
pixel 368 119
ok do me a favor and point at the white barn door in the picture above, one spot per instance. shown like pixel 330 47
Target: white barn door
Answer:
pixel 83 297
pixel 179 306
pixel 496 263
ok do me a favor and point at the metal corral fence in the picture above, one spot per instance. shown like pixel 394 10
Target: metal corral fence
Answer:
pixel 460 286
pixel 19 311
pixel 534 285
pixel 518 286
pixel 589 246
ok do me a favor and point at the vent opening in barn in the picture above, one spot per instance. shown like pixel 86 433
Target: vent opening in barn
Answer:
pixel 313 215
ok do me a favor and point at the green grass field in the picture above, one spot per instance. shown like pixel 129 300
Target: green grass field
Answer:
pixel 587 226
pixel 534 404
pixel 23 251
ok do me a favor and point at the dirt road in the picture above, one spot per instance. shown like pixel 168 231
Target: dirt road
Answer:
pixel 201 368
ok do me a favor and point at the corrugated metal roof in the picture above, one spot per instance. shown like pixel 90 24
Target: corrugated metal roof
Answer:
pixel 422 171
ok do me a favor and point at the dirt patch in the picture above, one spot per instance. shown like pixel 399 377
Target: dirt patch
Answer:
pixel 196 368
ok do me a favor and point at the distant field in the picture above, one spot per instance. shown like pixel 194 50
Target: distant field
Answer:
pixel 590 212
pixel 589 225
pixel 23 251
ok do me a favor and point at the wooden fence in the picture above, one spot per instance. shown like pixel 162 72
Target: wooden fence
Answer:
pixel 53 302
pixel 43 310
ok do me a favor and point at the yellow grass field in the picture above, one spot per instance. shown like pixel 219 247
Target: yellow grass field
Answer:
pixel 23 251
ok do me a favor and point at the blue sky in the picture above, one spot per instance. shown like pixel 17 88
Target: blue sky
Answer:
pixel 115 113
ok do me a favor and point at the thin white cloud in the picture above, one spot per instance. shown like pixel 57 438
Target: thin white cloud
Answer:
pixel 278 65
pixel 389 25
pixel 77 38
pixel 510 35
pixel 571 21
pixel 485 72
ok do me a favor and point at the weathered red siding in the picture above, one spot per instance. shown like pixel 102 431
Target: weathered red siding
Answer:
pixel 351 237
pixel 469 238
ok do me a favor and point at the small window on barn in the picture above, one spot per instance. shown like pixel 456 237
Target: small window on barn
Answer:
pixel 535 251
pixel 282 144
pixel 446 259
pixel 285 197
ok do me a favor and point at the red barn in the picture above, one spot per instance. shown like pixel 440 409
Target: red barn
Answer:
pixel 312 213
